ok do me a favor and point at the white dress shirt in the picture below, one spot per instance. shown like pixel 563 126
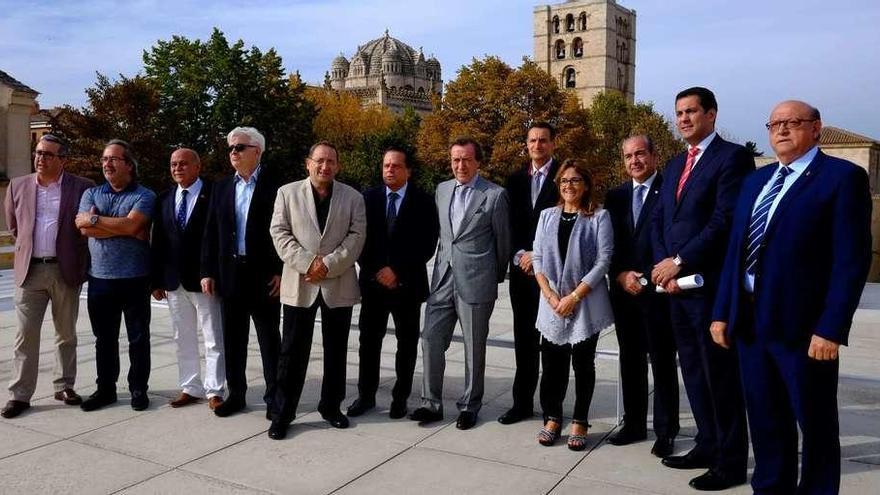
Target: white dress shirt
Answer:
pixel 46 218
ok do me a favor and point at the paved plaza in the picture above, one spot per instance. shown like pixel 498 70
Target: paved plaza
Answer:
pixel 53 448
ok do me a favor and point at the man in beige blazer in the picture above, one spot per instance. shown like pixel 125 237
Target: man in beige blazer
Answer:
pixel 51 259
pixel 319 228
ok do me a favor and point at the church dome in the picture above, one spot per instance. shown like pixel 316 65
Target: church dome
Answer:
pixel 388 49
pixel 340 62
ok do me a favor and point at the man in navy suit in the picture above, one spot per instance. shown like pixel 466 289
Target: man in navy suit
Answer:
pixel 689 233
pixel 402 231
pixel 178 230
pixel 530 190
pixel 796 264
pixel 641 315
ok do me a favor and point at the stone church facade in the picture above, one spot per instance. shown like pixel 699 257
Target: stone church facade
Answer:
pixel 589 46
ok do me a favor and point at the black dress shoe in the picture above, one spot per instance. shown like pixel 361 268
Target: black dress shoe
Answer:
pixel 230 407
pixel 627 436
pixel 98 400
pixel 713 480
pixel 398 410
pixel 336 419
pixel 687 461
pixel 466 420
pixel 360 406
pixel 663 447
pixel 139 400
pixel 278 430
pixel 424 415
pixel 14 408
pixel 514 415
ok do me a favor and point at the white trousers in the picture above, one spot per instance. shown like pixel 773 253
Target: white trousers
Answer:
pixel 189 311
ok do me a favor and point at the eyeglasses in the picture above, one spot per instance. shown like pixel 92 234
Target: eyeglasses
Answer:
pixel 573 181
pixel 111 159
pixel 45 154
pixel 238 148
pixel 778 125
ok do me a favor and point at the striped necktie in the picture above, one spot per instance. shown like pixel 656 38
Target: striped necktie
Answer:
pixel 181 210
pixel 688 167
pixel 759 221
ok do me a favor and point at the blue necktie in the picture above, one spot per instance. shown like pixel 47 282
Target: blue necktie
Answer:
pixel 181 210
pixel 759 221
pixel 638 202
pixel 391 215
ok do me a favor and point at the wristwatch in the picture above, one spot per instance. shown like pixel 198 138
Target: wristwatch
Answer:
pixel 677 260
pixel 93 220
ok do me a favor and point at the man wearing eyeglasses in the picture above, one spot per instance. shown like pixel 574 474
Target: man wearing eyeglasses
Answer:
pixel 116 218
pixel 51 259
pixel 796 264
pixel 239 263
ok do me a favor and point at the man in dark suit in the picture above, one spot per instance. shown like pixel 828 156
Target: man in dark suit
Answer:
pixel 641 315
pixel 239 263
pixel 689 233
pixel 178 230
pixel 530 190
pixel 51 259
pixel 402 230
pixel 796 264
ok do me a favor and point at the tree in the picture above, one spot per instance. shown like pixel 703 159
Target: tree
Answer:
pixel 753 148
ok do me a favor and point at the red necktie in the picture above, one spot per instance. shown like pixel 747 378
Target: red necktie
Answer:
pixel 688 166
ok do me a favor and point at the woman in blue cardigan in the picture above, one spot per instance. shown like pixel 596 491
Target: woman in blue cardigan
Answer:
pixel 572 253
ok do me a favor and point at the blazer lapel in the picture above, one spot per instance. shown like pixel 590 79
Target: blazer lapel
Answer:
pixel 444 202
pixel 707 159
pixel 478 197
pixel 66 201
pixel 802 182
pixel 547 187
pixel 650 199
pixel 309 196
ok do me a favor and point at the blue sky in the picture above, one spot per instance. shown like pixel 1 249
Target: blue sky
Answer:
pixel 751 53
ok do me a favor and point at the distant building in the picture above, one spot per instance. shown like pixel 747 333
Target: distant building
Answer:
pixel 589 46
pixel 17 103
pixel 387 71
pixel 41 124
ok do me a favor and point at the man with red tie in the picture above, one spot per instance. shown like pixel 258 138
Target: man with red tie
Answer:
pixel 689 233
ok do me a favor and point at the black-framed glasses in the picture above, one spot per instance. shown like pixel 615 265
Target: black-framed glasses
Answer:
pixel 113 159
pixel 45 154
pixel 573 181
pixel 238 148
pixel 778 125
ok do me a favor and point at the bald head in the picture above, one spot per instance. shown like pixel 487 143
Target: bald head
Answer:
pixel 185 167
pixel 794 128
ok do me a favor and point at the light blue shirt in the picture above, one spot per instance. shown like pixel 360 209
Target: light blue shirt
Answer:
pixel 797 167
pixel 244 192
pixel 400 194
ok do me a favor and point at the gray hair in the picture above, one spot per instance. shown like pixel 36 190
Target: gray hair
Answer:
pixel 126 153
pixel 253 135
pixel 649 143
pixel 63 148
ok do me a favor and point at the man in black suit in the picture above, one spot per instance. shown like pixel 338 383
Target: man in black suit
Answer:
pixel 641 315
pixel 402 230
pixel 531 189
pixel 178 229
pixel 690 227
pixel 239 263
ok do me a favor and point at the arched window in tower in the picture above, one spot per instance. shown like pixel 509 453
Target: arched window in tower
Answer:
pixel 560 49
pixel 582 21
pixel 620 80
pixel 577 47
pixel 569 76
pixel 556 24
pixel 624 53
pixel 569 22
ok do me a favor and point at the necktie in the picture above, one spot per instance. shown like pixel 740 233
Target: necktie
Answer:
pixel 688 166
pixel 181 210
pixel 458 207
pixel 391 215
pixel 536 185
pixel 637 203
pixel 759 221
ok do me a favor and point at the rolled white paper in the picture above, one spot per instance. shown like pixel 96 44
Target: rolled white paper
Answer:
pixel 690 282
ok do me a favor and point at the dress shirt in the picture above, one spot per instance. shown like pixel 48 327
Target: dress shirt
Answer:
pixel 194 189
pixel 539 174
pixel 46 218
pixel 244 191
pixel 797 167
pixel 702 145
pixel 648 183
pixel 400 194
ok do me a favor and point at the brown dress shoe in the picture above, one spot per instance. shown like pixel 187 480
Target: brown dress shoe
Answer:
pixel 214 402
pixel 14 408
pixel 184 399
pixel 69 397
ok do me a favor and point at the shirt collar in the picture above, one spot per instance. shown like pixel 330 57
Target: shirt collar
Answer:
pixel 129 188
pixel 648 182
pixel 57 183
pixel 193 188
pixel 400 192
pixel 471 183
pixel 254 176
pixel 803 161
pixel 544 168
pixel 705 142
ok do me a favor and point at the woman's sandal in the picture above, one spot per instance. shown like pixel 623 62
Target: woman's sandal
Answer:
pixel 578 442
pixel 548 435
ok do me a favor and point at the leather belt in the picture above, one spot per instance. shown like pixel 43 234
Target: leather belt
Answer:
pixel 47 259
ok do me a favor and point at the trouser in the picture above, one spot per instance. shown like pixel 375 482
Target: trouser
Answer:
pixel 108 301
pixel 556 361
pixel 524 296
pixel 43 284
pixel 191 311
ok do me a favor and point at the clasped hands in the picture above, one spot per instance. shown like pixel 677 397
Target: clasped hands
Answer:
pixel 317 270
pixel 663 275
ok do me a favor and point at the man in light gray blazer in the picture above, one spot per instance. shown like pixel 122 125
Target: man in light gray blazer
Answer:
pixel 471 261
pixel 318 228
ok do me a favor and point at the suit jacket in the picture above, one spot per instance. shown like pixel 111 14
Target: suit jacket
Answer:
pixel 815 256
pixel 524 216
pixel 176 255
pixel 220 244
pixel 632 242
pixel 71 248
pixel 477 255
pixel 406 250
pixel 697 226
pixel 298 240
